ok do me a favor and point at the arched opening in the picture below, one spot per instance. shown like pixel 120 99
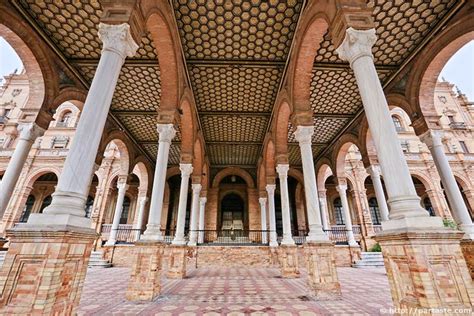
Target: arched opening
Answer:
pixel 232 212
pixel 65 119
pixel 397 122
pixel 174 187
pixel 426 200
pixel 375 211
pixel 338 212
pixel 125 210
pixel 30 202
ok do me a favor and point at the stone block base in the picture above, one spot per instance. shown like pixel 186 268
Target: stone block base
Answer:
pixel 44 270
pixel 145 283
pixel 288 257
pixel 427 270
pixel 467 247
pixel 322 274
pixel 177 262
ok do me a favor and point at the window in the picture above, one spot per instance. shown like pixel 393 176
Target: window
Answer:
pixel 65 120
pixel 46 202
pixel 125 210
pixel 451 118
pixel 89 204
pixel 374 211
pixel 405 146
pixel 463 147
pixel 398 123
pixel 428 206
pixel 338 211
pixel 30 202
pixel 60 141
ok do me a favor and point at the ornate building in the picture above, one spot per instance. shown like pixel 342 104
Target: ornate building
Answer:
pixel 299 130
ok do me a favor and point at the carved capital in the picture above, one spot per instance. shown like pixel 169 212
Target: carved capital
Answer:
pixel 262 201
pixel 166 132
pixel 30 131
pixel 341 188
pixel 270 189
pixel 196 187
pixel 282 170
pixel 118 39
pixel 122 186
pixel 186 169
pixel 432 138
pixel 303 134
pixel 374 171
pixel 203 200
pixel 356 44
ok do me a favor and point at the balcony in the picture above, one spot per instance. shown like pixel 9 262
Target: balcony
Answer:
pixel 457 125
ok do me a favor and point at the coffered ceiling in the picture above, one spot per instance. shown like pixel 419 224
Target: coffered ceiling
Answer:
pixel 235 52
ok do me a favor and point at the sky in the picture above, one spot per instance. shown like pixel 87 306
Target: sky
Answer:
pixel 459 70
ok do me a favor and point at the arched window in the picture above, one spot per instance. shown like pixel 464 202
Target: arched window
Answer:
pixel 428 206
pixel 65 119
pixel 89 204
pixel 338 211
pixel 47 200
pixel 30 201
pixel 398 123
pixel 374 211
pixel 125 210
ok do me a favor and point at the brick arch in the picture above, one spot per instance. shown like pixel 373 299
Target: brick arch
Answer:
pixel 125 146
pixel 142 171
pixel 233 171
pixel 314 24
pixel 198 158
pixel 462 180
pixel 427 182
pixel 172 171
pixel 124 151
pixel 71 94
pixel 269 158
pixel 159 22
pixel 422 82
pixel 297 174
pixel 205 176
pixel 281 129
pixel 35 174
pixel 324 171
pixel 340 151
pixel 261 175
pixel 187 129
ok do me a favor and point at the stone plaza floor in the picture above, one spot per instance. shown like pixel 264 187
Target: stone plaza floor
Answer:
pixel 237 291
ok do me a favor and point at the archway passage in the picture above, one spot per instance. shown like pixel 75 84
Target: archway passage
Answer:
pixel 232 212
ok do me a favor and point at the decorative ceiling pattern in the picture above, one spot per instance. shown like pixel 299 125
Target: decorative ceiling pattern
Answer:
pixel 235 51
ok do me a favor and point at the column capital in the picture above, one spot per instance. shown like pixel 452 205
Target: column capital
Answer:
pixel 203 200
pixel 432 138
pixel 270 188
pixel 122 186
pixel 282 169
pixel 303 134
pixel 143 199
pixel 196 187
pixel 356 44
pixel 186 169
pixel 374 171
pixel 166 132
pixel 262 201
pixel 118 39
pixel 30 131
pixel 341 188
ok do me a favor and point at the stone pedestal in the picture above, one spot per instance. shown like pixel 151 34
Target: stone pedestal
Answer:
pixel 44 270
pixel 145 283
pixel 177 264
pixel 322 274
pixel 467 247
pixel 288 261
pixel 426 270
pixel 355 253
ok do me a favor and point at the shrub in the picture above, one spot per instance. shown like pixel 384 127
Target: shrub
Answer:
pixel 376 248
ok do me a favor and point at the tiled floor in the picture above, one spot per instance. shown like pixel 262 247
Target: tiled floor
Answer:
pixel 236 291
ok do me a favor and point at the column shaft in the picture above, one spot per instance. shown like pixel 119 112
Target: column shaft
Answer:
pixel 379 194
pixel 186 170
pixel 141 214
pixel 263 218
pixel 324 211
pixel 347 215
pixel 194 215
pixel 28 134
pixel 122 188
pixel 271 214
pixel 282 170
pixel 166 133
pixel 202 213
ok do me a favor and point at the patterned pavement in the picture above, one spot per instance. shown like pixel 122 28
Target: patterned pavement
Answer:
pixel 236 291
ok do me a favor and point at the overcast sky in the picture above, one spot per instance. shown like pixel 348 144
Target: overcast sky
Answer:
pixel 459 69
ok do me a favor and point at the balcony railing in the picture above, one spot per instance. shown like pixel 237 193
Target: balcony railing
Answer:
pixel 233 237
pixel 126 234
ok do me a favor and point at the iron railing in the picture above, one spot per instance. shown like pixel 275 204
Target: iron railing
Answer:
pixel 126 234
pixel 338 235
pixel 233 237
pixel 457 125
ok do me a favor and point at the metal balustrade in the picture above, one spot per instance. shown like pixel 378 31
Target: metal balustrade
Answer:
pixel 233 237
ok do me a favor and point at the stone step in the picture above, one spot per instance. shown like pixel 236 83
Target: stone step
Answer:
pixel 2 257
pixel 369 259
pixel 97 261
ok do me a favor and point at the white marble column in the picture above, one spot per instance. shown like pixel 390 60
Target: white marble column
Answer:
pixel 341 188
pixel 271 214
pixel 69 199
pixel 166 133
pixel 303 135
pixel 196 187
pixel 324 210
pixel 282 170
pixel 405 208
pixel 202 213
pixel 122 188
pixel 379 194
pixel 28 134
pixel 140 215
pixel 186 170
pixel 263 218
pixel 460 212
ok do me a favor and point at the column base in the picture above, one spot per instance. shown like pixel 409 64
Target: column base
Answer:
pixel 467 247
pixel 145 283
pixel 426 269
pixel 317 234
pixel 288 261
pixel 322 274
pixel 288 241
pixel 44 269
pixel 152 234
pixel 177 265
pixel 468 230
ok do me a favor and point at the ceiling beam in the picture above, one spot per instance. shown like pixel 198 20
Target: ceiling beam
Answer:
pixel 233 113
pixel 243 63
pixel 335 115
pixel 133 113
pixel 238 143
